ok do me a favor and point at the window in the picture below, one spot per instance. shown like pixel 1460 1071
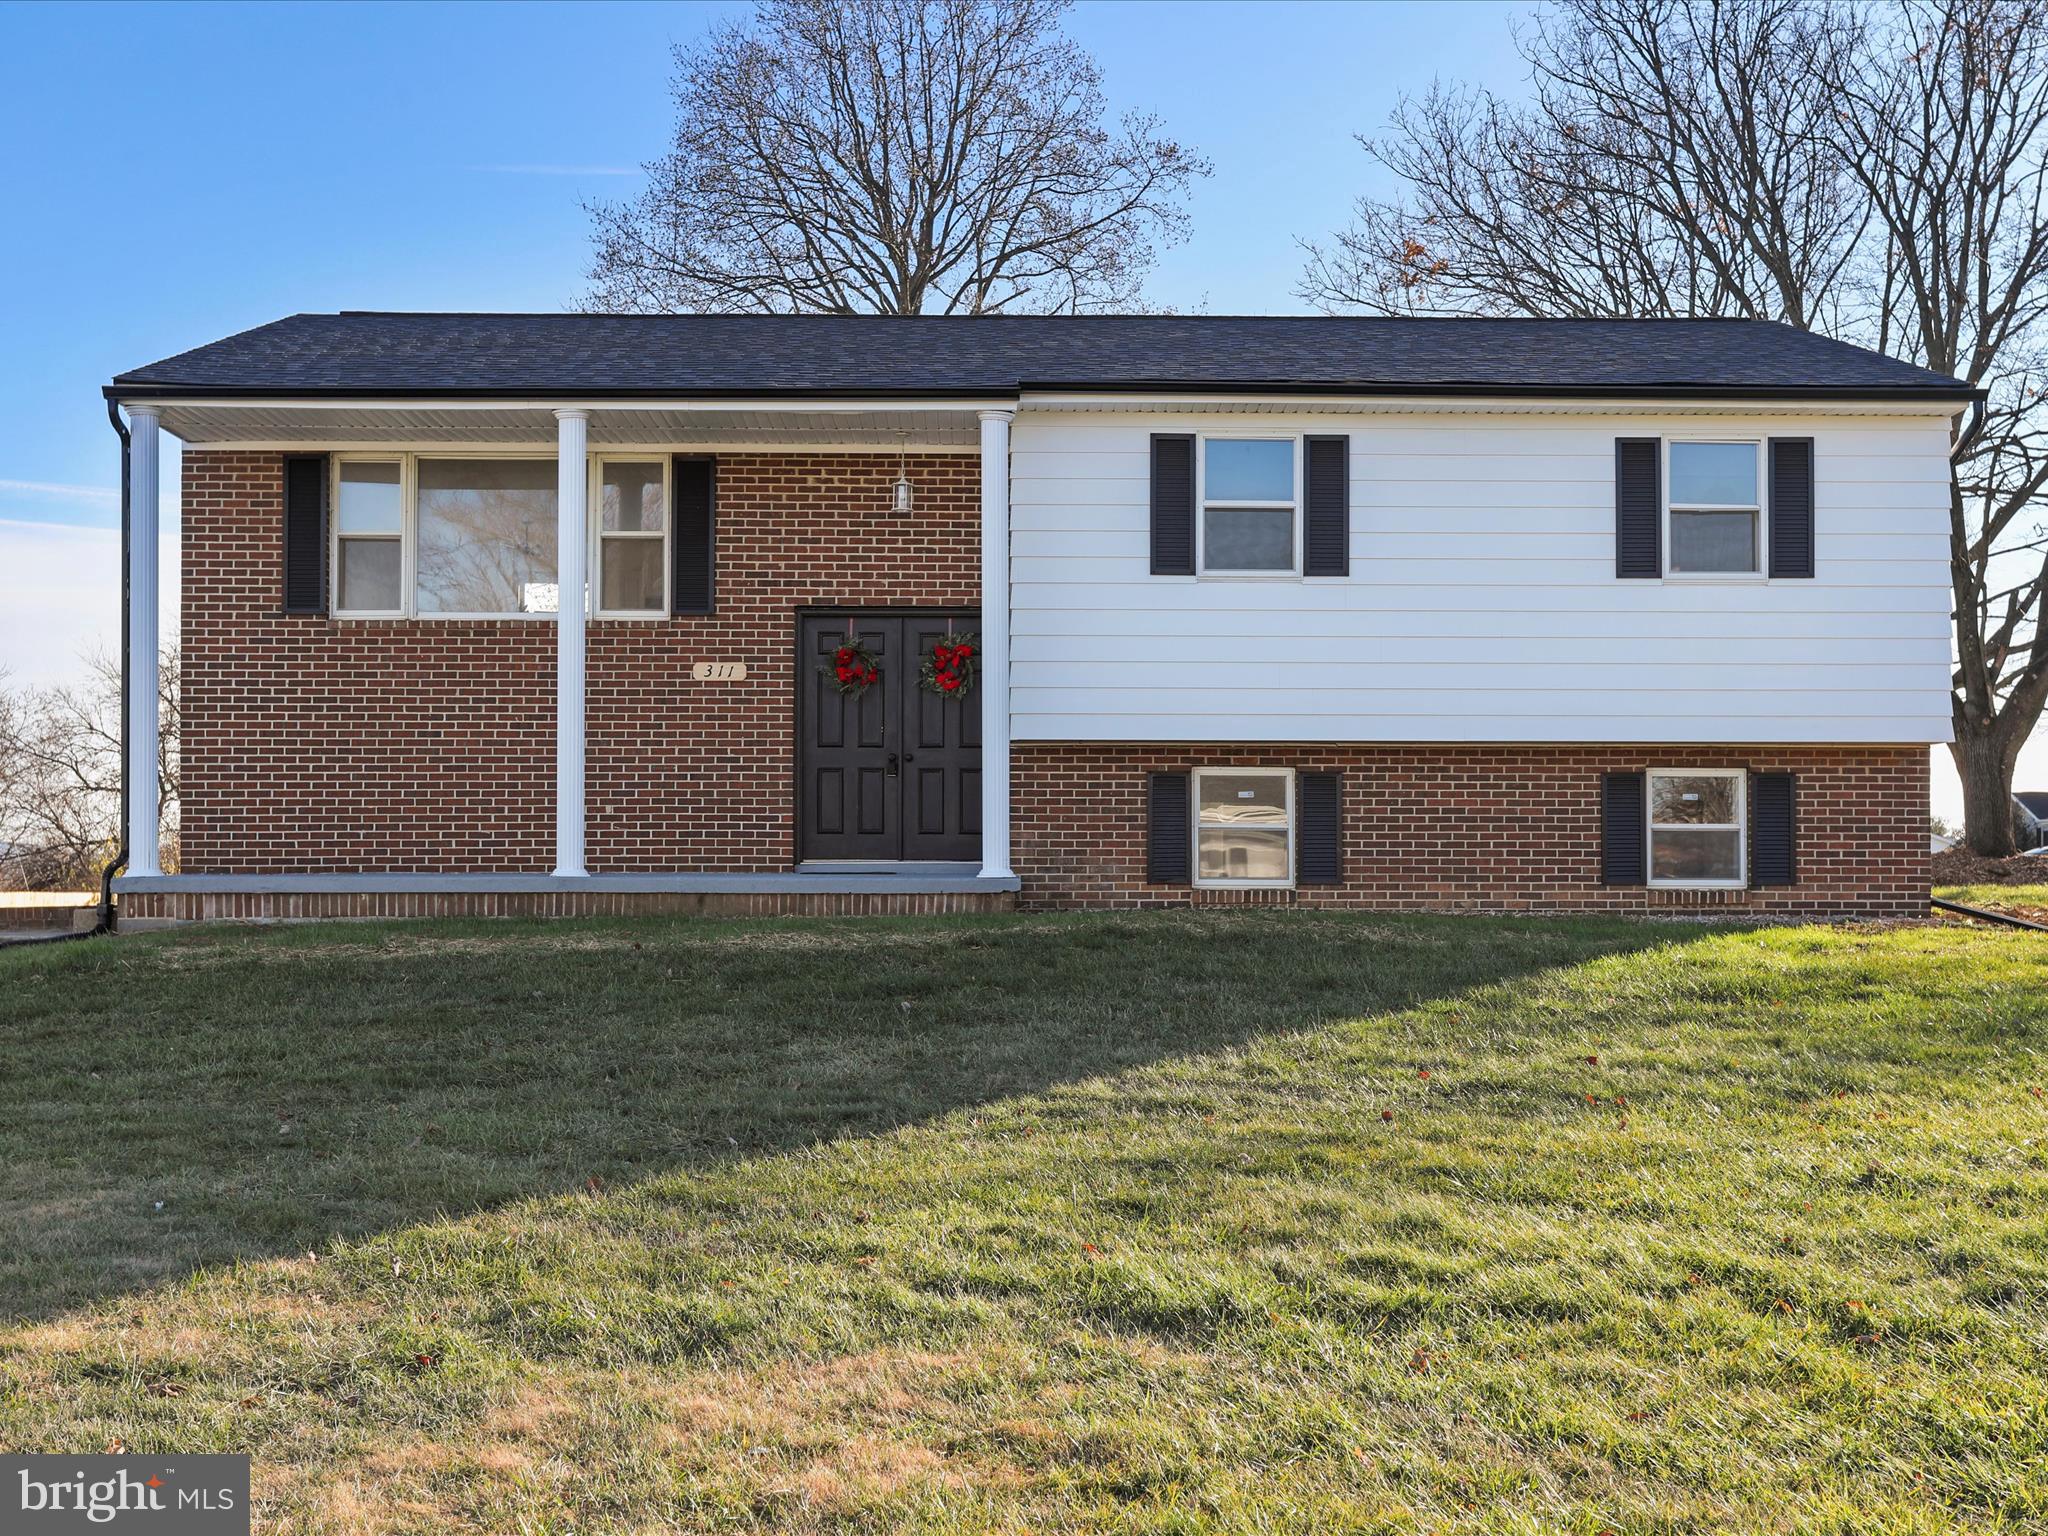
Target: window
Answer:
pixel 369 524
pixel 632 536
pixel 1697 817
pixel 1244 826
pixel 1250 511
pixel 1716 511
pixel 486 536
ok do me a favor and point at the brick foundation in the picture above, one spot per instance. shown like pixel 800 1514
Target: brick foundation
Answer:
pixel 1478 829
pixel 189 907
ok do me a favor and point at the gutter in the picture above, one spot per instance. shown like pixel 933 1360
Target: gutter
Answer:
pixel 127 389
pixel 1975 427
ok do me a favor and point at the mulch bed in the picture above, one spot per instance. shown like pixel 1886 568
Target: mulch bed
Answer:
pixel 1959 866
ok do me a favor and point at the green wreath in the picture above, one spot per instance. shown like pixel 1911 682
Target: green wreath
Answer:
pixel 853 669
pixel 949 667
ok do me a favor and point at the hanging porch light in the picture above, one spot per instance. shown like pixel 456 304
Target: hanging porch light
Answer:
pixel 901 503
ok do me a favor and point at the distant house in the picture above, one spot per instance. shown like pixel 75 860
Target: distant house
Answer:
pixel 2030 817
pixel 1941 842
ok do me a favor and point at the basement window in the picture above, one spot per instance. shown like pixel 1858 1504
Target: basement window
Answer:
pixel 1697 826
pixel 1244 827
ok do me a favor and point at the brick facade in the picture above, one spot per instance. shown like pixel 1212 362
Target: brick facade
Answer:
pixel 1477 828
pixel 320 744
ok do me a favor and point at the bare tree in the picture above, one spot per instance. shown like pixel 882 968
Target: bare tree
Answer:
pixel 894 157
pixel 1872 173
pixel 1946 121
pixel 60 777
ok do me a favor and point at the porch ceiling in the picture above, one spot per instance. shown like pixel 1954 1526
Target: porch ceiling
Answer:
pixel 287 424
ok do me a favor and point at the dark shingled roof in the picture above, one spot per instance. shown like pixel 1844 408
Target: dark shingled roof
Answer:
pixel 368 354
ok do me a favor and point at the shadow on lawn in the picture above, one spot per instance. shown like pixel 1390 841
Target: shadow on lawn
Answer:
pixel 200 1097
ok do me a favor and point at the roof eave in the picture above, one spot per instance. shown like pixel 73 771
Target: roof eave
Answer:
pixel 121 389
pixel 1957 395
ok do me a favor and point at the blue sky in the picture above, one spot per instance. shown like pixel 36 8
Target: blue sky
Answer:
pixel 179 172
pixel 195 170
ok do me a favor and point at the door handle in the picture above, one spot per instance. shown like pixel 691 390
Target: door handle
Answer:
pixel 891 765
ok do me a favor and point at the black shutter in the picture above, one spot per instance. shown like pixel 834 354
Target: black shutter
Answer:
pixel 1624 830
pixel 1173 504
pixel 1638 508
pixel 1771 861
pixel 1168 836
pixel 1326 509
pixel 694 537
pixel 305 533
pixel 1319 837
pixel 1792 506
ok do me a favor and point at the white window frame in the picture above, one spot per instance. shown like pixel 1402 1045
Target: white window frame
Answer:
pixel 1195 824
pixel 1760 572
pixel 1202 566
pixel 1651 827
pixel 409 519
pixel 335 539
pixel 595 503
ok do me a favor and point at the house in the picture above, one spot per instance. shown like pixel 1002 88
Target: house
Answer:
pixel 2030 818
pixel 1397 613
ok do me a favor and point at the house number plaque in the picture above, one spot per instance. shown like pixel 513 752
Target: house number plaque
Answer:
pixel 719 671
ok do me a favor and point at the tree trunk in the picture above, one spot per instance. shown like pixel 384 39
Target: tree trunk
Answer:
pixel 1984 761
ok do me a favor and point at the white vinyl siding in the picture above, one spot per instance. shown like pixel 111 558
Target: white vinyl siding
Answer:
pixel 1482 603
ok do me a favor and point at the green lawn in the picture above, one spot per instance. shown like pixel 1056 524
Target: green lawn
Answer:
pixel 1263 1221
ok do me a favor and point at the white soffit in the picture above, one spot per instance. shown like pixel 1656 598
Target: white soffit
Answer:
pixel 258 423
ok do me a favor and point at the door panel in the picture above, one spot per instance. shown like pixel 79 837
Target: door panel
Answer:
pixel 828 802
pixel 896 773
pixel 850 810
pixel 942 752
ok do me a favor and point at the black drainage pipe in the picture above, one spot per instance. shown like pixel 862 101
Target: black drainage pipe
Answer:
pixel 1985 915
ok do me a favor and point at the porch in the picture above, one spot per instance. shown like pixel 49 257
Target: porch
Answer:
pixel 578 673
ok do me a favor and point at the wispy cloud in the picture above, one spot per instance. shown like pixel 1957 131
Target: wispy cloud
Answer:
pixel 560 170
pixel 46 490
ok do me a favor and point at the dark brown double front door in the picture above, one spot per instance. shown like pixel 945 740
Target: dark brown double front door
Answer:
pixel 896 772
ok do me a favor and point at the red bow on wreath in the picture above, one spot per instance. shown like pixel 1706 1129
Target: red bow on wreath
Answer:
pixel 949 669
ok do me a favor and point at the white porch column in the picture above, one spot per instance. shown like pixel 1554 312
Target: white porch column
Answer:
pixel 995 643
pixel 143 683
pixel 572 434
